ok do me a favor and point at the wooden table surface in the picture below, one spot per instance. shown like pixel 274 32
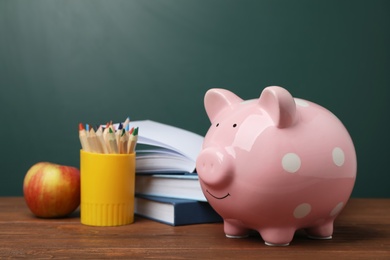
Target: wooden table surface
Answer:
pixel 362 231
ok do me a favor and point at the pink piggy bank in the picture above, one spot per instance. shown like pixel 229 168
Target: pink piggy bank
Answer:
pixel 275 165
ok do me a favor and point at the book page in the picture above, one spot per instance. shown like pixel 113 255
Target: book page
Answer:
pixel 182 141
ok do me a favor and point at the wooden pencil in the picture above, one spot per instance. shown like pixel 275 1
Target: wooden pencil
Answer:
pixel 99 134
pixel 111 141
pixel 133 140
pixel 126 124
pixel 94 142
pixel 83 138
pixel 108 139
pixel 124 138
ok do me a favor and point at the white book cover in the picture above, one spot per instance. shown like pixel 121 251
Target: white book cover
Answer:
pixel 184 186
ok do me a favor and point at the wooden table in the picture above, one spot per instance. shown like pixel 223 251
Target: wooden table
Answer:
pixel 362 231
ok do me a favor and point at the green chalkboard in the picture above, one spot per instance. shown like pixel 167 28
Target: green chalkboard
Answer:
pixel 91 61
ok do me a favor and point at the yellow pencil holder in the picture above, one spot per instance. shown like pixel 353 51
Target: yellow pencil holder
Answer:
pixel 107 188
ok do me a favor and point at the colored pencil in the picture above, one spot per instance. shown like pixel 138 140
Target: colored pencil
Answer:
pixel 124 138
pixel 99 134
pixel 126 124
pixel 133 140
pixel 112 143
pixel 83 138
pixel 107 139
pixel 94 142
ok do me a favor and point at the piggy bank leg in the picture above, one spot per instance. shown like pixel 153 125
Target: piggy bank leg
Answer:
pixel 235 229
pixel 323 231
pixel 277 236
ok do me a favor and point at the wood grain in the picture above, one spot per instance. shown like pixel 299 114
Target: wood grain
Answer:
pixel 362 231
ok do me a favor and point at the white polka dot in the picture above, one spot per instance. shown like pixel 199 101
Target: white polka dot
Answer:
pixel 301 102
pixel 337 209
pixel 338 156
pixel 291 162
pixel 302 210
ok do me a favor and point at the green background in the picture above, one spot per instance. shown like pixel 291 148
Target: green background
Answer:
pixel 91 61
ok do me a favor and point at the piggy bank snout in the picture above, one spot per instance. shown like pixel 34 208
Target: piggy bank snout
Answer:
pixel 214 167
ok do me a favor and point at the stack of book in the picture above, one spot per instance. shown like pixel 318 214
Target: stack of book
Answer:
pixel 166 185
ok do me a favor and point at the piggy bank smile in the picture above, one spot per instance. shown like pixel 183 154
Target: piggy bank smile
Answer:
pixel 218 198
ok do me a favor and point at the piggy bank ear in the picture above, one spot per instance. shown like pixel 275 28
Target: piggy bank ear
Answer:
pixel 217 99
pixel 280 106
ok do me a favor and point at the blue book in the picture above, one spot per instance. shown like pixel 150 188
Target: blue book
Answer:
pixel 174 211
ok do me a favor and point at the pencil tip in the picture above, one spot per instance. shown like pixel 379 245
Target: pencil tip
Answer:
pixel 135 131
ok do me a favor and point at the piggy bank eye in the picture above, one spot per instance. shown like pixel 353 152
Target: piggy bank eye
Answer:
pixel 234 125
pixel 217 125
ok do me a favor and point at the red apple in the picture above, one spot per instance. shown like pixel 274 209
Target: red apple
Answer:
pixel 52 190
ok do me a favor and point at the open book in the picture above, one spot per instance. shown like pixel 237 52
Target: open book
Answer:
pixel 164 148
